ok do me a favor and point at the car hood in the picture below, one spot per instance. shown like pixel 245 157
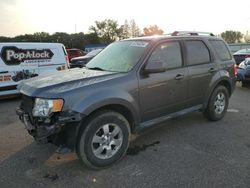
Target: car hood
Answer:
pixel 64 81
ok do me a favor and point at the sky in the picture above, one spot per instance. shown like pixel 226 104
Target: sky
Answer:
pixel 28 16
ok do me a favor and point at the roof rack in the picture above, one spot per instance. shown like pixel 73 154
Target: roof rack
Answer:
pixel 192 33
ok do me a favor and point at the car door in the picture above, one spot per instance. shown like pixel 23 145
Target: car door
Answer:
pixel 201 69
pixel 163 92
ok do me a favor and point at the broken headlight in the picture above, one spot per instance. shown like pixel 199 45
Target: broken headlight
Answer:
pixel 44 107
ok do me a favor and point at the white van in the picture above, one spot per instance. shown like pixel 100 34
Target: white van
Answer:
pixel 19 61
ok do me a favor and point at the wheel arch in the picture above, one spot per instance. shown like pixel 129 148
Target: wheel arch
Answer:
pixel 226 82
pixel 122 109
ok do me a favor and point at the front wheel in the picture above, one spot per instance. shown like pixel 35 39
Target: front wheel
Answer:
pixel 218 103
pixel 105 139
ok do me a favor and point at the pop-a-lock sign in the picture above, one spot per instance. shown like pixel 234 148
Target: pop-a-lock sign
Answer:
pixel 12 55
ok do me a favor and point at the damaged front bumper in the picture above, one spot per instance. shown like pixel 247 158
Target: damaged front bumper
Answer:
pixel 58 132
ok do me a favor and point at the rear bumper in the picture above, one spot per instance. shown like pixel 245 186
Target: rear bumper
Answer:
pixel 63 131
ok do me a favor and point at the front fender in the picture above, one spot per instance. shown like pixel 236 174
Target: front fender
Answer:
pixel 108 97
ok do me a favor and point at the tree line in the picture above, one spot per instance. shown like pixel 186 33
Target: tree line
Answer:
pixel 235 37
pixel 76 40
pixel 106 32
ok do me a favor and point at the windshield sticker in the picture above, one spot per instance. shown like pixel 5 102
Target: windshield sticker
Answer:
pixel 12 55
pixel 140 44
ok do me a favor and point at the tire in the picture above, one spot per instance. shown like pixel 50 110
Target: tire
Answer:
pixel 217 104
pixel 104 141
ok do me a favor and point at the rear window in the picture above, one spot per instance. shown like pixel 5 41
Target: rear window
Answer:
pixel 197 52
pixel 221 50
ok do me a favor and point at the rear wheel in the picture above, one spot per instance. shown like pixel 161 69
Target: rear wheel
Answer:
pixel 218 103
pixel 105 139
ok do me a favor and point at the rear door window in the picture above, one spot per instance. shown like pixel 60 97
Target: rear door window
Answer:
pixel 197 52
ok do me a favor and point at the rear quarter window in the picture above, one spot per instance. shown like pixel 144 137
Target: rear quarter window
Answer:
pixel 221 50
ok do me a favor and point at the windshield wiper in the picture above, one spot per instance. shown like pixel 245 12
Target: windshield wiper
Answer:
pixel 95 68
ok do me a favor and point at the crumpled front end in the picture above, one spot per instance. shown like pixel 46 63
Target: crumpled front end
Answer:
pixel 58 128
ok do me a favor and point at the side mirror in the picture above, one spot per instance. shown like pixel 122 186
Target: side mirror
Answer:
pixel 154 67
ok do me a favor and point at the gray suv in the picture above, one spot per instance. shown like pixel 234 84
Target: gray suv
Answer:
pixel 129 86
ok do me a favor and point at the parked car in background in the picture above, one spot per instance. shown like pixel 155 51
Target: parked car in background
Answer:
pixel 241 55
pixel 21 61
pixel 74 52
pixel 91 47
pixel 243 71
pixel 238 46
pixel 83 60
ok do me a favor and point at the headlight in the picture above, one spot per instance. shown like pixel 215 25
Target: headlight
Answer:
pixel 44 107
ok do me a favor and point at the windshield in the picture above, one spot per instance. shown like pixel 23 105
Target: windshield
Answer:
pixel 119 56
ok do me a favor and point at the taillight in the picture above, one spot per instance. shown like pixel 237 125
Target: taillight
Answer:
pixel 235 69
pixel 247 56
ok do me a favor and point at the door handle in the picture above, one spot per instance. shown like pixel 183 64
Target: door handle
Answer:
pixel 211 70
pixel 179 76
